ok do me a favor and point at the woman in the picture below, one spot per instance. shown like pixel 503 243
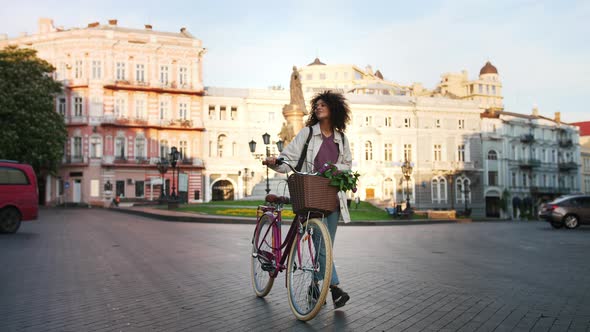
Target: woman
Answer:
pixel 328 119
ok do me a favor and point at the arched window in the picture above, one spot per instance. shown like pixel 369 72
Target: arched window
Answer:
pixel 439 190
pixel 463 190
pixel 368 150
pixel 164 149
pixel 220 141
pixel 492 155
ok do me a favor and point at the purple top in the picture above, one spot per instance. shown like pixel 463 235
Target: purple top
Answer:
pixel 328 152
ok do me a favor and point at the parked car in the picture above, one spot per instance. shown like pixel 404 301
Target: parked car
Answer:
pixel 569 211
pixel 19 195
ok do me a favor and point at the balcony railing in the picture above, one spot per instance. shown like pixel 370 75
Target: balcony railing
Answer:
pixel 527 138
pixel 75 159
pixel 568 166
pixel 453 165
pixel 529 163
pixel 566 143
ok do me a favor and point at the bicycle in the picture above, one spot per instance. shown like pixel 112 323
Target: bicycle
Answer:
pixel 307 250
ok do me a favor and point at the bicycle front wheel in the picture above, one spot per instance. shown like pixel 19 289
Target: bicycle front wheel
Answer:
pixel 309 269
pixel 263 269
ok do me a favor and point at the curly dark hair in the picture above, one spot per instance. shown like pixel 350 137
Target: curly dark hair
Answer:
pixel 339 110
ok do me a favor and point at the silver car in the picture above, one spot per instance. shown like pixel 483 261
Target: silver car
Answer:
pixel 569 211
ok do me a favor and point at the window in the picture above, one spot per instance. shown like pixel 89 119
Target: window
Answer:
pixel 368 120
pixel 139 186
pixel 492 155
pixel 120 107
pixel 309 77
pixel 437 152
pixel 164 75
pixel 183 76
pixel 514 152
pixel 140 108
pixel 120 147
pixel 234 113
pixel 461 152
pixel 524 180
pixel 223 113
pixel 407 123
pixel 437 123
pixel 439 190
pixel 388 152
pixel 95 147
pixel 408 152
pixel 461 124
pixel 77 153
pixel 164 109
pixel 182 111
pixel 9 175
pixel 480 88
pixel 164 148
pixel 493 89
pixel 120 71
pixel 211 112
pixel 388 121
pixel 322 76
pixel 61 106
pixel 463 190
pixel 78 111
pixel 553 156
pixel 140 72
pixel 368 150
pixel 388 188
pixel 78 69
pixel 487 89
pixel 183 149
pixel 544 183
pixel 492 178
pixel 140 148
pixel 96 69
pixel 220 145
pixel 513 179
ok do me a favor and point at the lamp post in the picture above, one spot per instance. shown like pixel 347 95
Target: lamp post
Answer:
pixel 245 176
pixel 266 141
pixel 174 154
pixel 162 166
pixel 407 172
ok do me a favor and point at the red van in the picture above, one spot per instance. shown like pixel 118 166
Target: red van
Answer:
pixel 19 195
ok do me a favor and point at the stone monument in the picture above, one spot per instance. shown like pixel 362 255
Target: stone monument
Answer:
pixel 294 111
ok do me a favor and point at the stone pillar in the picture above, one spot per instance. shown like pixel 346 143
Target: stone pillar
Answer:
pixel 294 116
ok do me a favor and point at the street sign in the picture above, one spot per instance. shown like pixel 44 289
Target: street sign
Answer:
pixel 66 185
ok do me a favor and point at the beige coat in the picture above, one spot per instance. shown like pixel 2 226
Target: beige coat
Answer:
pixel 292 152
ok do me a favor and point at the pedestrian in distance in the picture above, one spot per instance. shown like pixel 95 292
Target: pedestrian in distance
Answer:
pixel 326 143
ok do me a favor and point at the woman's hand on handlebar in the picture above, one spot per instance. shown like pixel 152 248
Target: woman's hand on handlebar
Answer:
pixel 272 161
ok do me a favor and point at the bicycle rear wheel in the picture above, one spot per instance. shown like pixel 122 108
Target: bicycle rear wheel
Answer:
pixel 263 269
pixel 309 269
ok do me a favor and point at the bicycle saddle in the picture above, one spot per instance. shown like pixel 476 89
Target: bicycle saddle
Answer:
pixel 271 198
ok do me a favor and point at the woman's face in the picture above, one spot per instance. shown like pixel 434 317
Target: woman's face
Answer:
pixel 322 111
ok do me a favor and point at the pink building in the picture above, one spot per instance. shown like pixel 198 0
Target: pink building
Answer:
pixel 130 95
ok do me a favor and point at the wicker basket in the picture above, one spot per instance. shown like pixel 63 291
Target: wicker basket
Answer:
pixel 312 193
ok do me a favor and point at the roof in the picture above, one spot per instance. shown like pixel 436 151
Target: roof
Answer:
pixel 488 68
pixel 317 62
pixel 584 127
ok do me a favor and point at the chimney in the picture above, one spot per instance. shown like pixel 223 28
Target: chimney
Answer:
pixel 93 24
pixel 183 30
pixel 557 116
pixel 148 26
pixel 113 23
pixel 535 111
pixel 45 25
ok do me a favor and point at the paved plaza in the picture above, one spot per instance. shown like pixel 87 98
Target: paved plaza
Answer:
pixel 100 270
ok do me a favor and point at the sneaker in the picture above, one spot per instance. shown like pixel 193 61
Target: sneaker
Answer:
pixel 339 296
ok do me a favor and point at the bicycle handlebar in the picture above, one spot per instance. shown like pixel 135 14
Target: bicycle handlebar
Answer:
pixel 281 161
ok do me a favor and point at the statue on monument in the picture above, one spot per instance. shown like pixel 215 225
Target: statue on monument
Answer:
pixel 297 91
pixel 287 133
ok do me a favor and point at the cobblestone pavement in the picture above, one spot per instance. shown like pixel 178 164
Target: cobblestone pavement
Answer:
pixel 98 270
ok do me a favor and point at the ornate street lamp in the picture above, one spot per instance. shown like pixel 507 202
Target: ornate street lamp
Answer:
pixel 174 155
pixel 266 141
pixel 407 173
pixel 162 166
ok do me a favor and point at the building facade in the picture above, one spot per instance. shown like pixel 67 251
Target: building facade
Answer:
pixel 129 96
pixel 584 154
pixel 529 159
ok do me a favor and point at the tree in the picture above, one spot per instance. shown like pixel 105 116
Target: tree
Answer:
pixel 32 131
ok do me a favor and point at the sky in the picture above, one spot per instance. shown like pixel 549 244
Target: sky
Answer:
pixel 541 48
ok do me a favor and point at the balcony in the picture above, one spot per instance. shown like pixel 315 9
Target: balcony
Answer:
pixel 529 163
pixel 527 138
pixel 169 87
pixel 76 120
pixel 75 159
pixel 567 166
pixel 454 165
pixel 492 136
pixel 124 121
pixel 565 143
